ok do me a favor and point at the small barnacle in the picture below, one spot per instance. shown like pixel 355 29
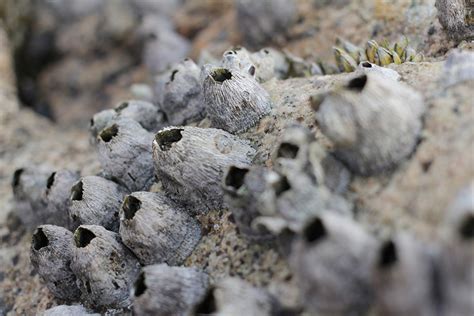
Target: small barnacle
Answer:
pixel 457 18
pixel 148 115
pixel 366 67
pixel 56 196
pixel 261 22
pixel 95 201
pixel 344 61
pixel 161 290
pixel 239 59
pixel 156 229
pixel 233 296
pixel 234 100
pixel 182 96
pixel 378 135
pixel 402 278
pixel 331 261
pixel 124 149
pixel 100 120
pixel 190 162
pixel 51 253
pixel 104 267
pixel 456 257
pixel 270 63
pixel 458 68
pixel 68 310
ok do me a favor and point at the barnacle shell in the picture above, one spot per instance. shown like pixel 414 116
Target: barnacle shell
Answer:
pixel 51 254
pixel 104 267
pixel 124 149
pixel 56 196
pixel 161 290
pixel 378 135
pixel 95 201
pixel 234 100
pixel 190 162
pixel 367 67
pixel 156 229
pixel 332 261
pixel 66 310
pixel 239 59
pixel 182 96
pixel 402 278
pixel 100 120
pixel 459 67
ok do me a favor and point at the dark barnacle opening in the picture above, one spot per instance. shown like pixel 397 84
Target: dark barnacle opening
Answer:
pixel 235 177
pixel 357 83
pixel 173 74
pixel 221 75
pixel 467 227
pixel 83 237
pixel 167 137
pixel 130 206
pixel 287 150
pixel 282 186
pixel 50 181
pixel 388 254
pixel 314 231
pixel 16 177
pixel 92 122
pixel 207 305
pixel 121 107
pixel 252 70
pixel 366 64
pixel 39 239
pixel 77 191
pixel 108 133
pixel 140 286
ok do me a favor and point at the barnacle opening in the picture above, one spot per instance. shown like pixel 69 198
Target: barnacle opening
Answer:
pixel 167 137
pixel 50 181
pixel 173 75
pixel 76 191
pixel 221 75
pixel 235 177
pixel 252 70
pixel 130 206
pixel 92 122
pixel 467 227
pixel 207 305
pixel 39 239
pixel 288 150
pixel 108 133
pixel 282 186
pixel 121 107
pixel 366 64
pixel 357 83
pixel 140 286
pixel 316 100
pixel 83 237
pixel 16 177
pixel 314 231
pixel 388 254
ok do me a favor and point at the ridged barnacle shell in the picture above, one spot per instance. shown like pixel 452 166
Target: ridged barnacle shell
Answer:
pixel 190 163
pixel 156 229
pixel 235 101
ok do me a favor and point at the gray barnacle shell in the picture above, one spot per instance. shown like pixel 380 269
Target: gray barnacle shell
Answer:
pixel 104 267
pixel 234 100
pixel 182 94
pixel 100 121
pixel 239 59
pixel 378 135
pixel 331 262
pixel 190 162
pixel 457 18
pixel 56 196
pixel 156 229
pixel 68 310
pixel 270 63
pixel 366 67
pixel 457 255
pixel 51 254
pixel 148 115
pixel 95 201
pixel 161 290
pixel 402 278
pixel 124 149
pixel 234 297
pixel 459 67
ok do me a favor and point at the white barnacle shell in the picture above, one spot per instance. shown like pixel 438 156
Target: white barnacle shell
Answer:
pixel 182 94
pixel 331 262
pixel 402 278
pixel 366 67
pixel 104 267
pixel 147 114
pixel 100 121
pixel 459 67
pixel 373 122
pixel 238 59
pixel 270 63
pixel 51 254
pixel 234 100
pixel 161 290
pixel 156 229
pixel 95 201
pixel 124 149
pixel 56 196
pixel 68 310
pixel 190 162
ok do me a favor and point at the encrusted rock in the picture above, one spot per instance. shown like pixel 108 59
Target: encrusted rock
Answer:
pixel 457 18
